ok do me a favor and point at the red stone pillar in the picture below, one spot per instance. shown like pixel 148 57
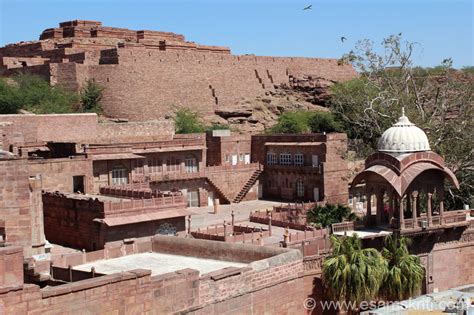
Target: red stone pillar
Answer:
pixel 414 209
pixel 441 211
pixel 401 218
pixel 379 208
pixel 429 208
pixel 369 209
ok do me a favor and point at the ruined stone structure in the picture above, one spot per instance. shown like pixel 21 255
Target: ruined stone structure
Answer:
pixel 146 74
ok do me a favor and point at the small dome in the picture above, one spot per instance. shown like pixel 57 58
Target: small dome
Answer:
pixel 403 137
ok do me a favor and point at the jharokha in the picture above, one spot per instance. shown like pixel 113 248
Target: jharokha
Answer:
pixel 126 217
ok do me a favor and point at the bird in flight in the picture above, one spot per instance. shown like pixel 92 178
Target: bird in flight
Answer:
pixel 343 39
pixel 309 7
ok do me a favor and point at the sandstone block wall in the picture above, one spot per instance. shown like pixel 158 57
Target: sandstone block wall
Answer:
pixel 332 179
pixel 159 81
pixel 22 211
pixel 81 128
pixel 147 74
pixel 450 263
pixel 57 174
pixel 273 283
pixel 11 266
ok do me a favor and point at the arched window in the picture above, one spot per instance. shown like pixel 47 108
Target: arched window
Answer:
pixel 300 188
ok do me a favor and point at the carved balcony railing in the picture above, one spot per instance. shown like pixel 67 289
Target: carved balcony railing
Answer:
pixel 448 219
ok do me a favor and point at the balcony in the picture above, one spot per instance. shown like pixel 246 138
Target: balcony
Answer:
pixel 449 219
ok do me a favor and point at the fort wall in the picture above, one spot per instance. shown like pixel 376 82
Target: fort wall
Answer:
pixel 83 128
pixel 271 283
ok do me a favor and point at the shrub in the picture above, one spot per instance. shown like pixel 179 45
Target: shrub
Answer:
pixel 91 95
pixel 34 94
pixel 325 216
pixel 188 121
pixel 10 102
pixel 324 122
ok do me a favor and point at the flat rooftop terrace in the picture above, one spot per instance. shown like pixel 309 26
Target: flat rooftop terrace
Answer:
pixel 158 263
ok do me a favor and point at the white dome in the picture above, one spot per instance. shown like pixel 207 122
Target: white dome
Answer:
pixel 403 137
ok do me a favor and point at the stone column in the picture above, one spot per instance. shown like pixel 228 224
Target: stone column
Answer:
pixel 428 214
pixel 379 210
pixel 441 211
pixel 414 209
pixel 401 218
pixel 369 209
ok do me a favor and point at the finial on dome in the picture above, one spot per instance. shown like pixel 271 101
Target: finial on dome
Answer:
pixel 403 111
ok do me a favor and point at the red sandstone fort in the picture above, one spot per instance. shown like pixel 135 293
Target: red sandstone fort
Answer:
pixel 147 74
pixel 130 218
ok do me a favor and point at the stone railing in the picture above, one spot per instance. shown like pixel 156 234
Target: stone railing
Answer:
pixel 136 206
pixel 347 226
pixel 313 264
pixel 449 218
pixel 181 173
pixel 232 234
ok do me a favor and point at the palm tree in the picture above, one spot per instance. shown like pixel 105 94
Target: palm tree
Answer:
pixel 405 272
pixel 351 273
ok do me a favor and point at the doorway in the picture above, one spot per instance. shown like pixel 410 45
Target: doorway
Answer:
pixel 193 198
pixel 78 184
pixel 210 198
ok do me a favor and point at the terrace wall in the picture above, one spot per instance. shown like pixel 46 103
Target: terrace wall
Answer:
pixel 71 221
pixel 57 174
pixel 273 284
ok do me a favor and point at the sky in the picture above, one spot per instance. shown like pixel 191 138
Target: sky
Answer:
pixel 443 28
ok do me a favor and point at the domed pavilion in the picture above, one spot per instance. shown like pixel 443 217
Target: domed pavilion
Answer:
pixel 407 180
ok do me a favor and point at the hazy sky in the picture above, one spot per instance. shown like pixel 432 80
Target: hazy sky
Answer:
pixel 444 28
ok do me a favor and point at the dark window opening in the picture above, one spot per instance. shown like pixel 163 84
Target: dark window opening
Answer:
pixel 78 184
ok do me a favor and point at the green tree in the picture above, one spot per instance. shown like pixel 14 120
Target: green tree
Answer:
pixel 438 100
pixel 291 123
pixel 325 216
pixel 351 273
pixel 405 272
pixel 10 102
pixel 188 121
pixel 324 122
pixel 91 95
pixel 35 94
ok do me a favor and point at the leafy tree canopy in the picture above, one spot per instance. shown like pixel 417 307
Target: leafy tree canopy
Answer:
pixel 438 100
pixel 305 121
pixel 34 94
pixel 325 216
pixel 189 121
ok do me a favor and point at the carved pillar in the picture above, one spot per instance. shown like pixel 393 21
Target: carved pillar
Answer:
pixel 428 214
pixel 414 210
pixel 401 218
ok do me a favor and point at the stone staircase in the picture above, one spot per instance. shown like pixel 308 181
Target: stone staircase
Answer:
pixel 252 180
pixel 219 191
